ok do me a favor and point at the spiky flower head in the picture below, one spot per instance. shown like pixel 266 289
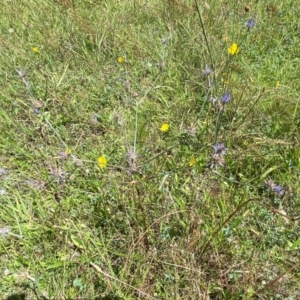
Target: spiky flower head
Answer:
pixel 275 188
pixel 207 71
pixel 217 160
pixel 225 97
pixel 219 149
pixel 250 23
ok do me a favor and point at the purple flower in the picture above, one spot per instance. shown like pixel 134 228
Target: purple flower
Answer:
pixel 277 189
pixel 219 149
pixel 225 97
pixel 207 71
pixel 250 23
pixel 217 159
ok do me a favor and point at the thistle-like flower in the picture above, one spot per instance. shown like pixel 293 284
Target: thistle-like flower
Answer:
pixel 132 157
pixel 250 23
pixel 207 71
pixel 191 130
pixel 219 149
pixel 225 97
pixel 217 158
pixel 57 173
pixel 275 188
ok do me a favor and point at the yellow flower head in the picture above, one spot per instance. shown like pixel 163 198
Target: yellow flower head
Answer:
pixel 102 162
pixel 68 151
pixel 120 59
pixel 277 84
pixel 164 127
pixel 192 162
pixel 233 49
pixel 35 49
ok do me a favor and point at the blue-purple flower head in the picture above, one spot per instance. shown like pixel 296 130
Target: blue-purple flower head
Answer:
pixel 275 188
pixel 250 23
pixel 225 97
pixel 219 149
pixel 217 158
pixel 279 190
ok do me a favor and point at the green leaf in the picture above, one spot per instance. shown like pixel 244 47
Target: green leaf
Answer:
pixel 294 245
pixel 55 265
pixel 264 175
pixel 77 242
pixel 77 283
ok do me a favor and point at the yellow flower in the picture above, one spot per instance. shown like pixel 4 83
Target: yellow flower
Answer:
pixel 68 151
pixel 233 49
pixel 164 127
pixel 192 162
pixel 102 161
pixel 120 59
pixel 226 81
pixel 277 84
pixel 35 49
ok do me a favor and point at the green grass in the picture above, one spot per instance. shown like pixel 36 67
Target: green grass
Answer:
pixel 167 217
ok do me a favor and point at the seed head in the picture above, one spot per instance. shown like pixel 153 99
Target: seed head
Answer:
pixel 207 71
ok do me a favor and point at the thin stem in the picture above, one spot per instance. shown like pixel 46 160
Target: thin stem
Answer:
pixel 204 33
pixel 137 103
pixel 218 121
pixel 98 269
pixel 56 133
pixel 270 283
pixel 250 110
pixel 135 129
pixel 215 232
pixel 22 76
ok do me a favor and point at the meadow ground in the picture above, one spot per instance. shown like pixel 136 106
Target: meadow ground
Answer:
pixel 149 149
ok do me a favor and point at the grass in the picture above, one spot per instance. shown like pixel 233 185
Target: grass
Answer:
pixel 204 208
